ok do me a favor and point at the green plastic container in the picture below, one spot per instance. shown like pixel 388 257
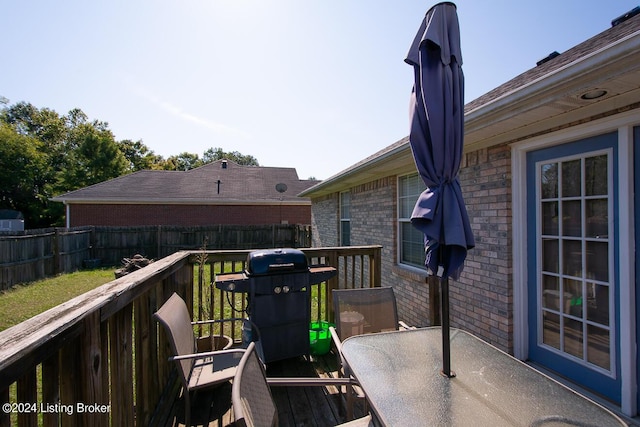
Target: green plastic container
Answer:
pixel 320 337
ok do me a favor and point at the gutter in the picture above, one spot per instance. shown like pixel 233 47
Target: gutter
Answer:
pixel 115 201
pixel 359 167
pixel 559 78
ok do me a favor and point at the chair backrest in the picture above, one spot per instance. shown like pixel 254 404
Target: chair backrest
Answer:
pixel 364 310
pixel 175 318
pixel 251 396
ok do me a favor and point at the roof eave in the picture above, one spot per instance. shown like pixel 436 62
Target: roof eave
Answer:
pixel 570 79
pixel 365 171
pixel 226 202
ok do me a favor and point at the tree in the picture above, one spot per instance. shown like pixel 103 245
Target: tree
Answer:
pixel 93 157
pixel 213 154
pixel 45 125
pixel 24 191
pixel 139 156
pixel 46 131
pixel 183 162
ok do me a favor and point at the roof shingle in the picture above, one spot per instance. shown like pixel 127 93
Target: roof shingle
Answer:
pixel 210 183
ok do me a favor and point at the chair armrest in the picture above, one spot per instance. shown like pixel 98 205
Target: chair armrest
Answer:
pixel 206 354
pixel 308 381
pixel 405 326
pixel 207 322
pixel 243 319
pixel 336 339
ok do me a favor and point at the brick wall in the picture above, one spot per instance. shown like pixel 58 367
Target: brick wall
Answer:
pixel 375 222
pixel 325 224
pixel 133 215
pixel 481 301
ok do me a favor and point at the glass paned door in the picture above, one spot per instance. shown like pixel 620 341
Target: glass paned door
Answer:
pixel 572 292
pixel 575 284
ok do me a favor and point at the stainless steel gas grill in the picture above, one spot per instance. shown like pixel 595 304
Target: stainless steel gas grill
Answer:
pixel 277 282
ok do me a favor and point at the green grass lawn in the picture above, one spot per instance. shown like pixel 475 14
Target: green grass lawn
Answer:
pixel 25 301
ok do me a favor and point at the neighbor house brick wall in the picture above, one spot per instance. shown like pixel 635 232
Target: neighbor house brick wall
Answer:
pixel 134 215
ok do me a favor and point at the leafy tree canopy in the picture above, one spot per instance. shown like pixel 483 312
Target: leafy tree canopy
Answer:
pixel 214 154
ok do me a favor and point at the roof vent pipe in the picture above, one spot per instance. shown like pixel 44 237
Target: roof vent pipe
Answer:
pixel 548 58
pixel 620 19
pixel 224 164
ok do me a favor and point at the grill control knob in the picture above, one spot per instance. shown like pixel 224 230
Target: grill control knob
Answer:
pixel 285 289
pixel 277 289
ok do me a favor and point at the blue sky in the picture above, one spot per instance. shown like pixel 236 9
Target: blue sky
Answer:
pixel 313 84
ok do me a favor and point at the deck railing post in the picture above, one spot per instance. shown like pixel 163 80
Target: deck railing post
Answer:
pixel 5 417
pixel 148 387
pixel 50 389
pixel 95 380
pixel 70 379
pixel 120 334
pixel 27 393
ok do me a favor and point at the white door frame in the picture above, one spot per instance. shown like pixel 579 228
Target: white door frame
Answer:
pixel 624 124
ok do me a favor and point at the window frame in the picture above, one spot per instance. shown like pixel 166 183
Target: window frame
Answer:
pixel 403 201
pixel 344 218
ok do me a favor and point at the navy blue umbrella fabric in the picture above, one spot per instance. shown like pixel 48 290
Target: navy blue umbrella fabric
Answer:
pixel 436 138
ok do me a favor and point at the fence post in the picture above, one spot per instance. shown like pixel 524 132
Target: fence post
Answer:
pixel 92 242
pixel 56 252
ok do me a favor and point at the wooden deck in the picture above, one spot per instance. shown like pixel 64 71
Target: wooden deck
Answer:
pixel 297 406
pixel 104 346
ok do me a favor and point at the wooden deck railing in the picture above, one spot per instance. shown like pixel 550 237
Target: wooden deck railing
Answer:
pixel 99 359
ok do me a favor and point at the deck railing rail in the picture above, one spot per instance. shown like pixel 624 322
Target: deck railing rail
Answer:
pixel 100 359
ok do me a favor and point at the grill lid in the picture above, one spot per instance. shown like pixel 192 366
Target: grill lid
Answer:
pixel 276 261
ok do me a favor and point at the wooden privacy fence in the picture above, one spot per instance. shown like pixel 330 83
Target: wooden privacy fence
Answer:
pixel 37 254
pixel 100 360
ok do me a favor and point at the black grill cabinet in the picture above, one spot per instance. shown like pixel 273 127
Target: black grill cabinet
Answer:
pixel 277 282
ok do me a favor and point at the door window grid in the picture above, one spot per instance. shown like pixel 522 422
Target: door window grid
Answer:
pixel 575 254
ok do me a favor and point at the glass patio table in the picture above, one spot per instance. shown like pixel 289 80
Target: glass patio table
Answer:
pixel 400 375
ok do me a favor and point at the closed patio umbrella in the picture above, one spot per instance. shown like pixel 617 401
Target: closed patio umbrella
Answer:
pixel 436 138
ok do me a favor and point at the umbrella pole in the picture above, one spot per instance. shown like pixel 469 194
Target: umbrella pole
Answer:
pixel 446 342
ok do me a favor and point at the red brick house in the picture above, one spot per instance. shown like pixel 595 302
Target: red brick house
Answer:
pixel 221 192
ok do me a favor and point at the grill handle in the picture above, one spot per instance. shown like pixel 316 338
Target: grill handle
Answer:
pixel 282 267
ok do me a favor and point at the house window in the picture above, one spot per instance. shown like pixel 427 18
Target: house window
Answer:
pixel 411 240
pixel 575 249
pixel 345 218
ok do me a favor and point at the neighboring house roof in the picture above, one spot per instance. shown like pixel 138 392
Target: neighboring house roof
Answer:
pixel 10 214
pixel 543 99
pixel 219 182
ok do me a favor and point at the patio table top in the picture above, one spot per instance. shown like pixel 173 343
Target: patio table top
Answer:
pixel 400 374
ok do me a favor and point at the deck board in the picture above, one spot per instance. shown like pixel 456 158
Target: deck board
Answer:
pixel 297 406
